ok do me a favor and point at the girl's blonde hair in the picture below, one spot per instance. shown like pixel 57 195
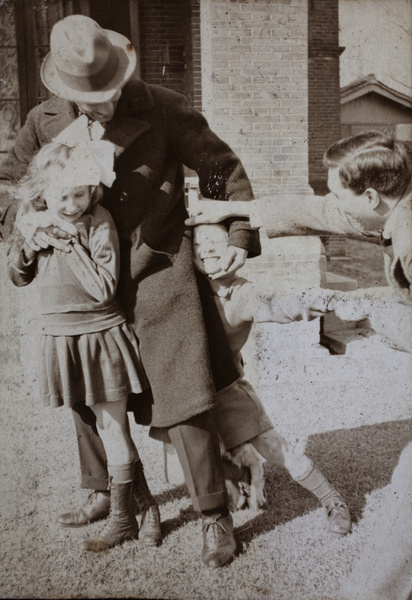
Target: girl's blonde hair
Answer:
pixel 371 160
pixel 30 190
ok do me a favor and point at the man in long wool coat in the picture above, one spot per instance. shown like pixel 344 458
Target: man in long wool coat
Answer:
pixel 154 132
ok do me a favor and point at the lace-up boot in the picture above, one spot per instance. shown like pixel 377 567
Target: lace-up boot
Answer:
pixel 121 525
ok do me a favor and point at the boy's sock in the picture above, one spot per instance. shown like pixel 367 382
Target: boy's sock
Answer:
pixel 314 481
pixel 337 510
pixel 235 473
pixel 223 511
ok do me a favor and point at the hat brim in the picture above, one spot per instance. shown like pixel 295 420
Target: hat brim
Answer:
pixel 127 64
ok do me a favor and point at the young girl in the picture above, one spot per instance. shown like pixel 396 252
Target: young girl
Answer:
pixel 88 352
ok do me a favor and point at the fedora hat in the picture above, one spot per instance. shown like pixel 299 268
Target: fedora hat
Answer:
pixel 86 63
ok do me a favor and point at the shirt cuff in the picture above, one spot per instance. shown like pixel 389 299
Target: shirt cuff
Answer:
pixel 243 236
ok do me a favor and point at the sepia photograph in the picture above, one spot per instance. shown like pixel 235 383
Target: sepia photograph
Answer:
pixel 206 299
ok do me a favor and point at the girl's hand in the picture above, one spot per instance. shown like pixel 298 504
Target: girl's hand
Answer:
pixel 28 252
pixel 43 229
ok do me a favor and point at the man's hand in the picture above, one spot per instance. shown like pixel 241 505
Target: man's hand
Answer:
pixel 233 259
pixel 215 211
pixel 43 229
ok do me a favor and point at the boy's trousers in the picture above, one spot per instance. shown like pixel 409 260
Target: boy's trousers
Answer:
pixel 195 442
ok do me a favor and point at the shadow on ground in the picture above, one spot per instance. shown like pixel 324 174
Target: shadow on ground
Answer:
pixel 360 460
pixel 357 461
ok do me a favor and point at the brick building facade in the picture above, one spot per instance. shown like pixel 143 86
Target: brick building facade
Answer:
pixel 324 90
pixel 264 72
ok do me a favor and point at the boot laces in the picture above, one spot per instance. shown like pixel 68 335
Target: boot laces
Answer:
pixel 149 516
pixel 214 529
pixel 336 507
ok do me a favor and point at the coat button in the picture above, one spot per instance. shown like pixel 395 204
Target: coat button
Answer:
pixel 124 196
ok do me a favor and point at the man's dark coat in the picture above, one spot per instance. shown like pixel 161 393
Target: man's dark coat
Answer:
pixel 157 132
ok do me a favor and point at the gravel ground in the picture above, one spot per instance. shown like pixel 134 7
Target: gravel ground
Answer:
pixel 352 412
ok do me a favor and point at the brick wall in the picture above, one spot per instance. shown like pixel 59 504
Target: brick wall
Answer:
pixel 255 86
pixel 323 81
pixel 166 54
pixel 195 64
pixel 9 84
pixel 265 74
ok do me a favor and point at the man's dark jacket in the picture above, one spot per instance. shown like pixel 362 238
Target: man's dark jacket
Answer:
pixel 158 133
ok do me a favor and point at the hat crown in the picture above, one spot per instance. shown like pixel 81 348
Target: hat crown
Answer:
pixel 86 63
pixel 79 46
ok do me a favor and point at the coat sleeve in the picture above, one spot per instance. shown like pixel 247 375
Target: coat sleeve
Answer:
pixel 221 173
pixel 97 269
pixel 263 303
pixel 308 215
pixel 13 168
pixel 21 271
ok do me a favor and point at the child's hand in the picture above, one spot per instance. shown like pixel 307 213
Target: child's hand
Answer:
pixel 43 229
pixel 28 252
pixel 230 262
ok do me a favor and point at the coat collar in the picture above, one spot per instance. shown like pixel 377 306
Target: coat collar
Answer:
pixel 399 216
pixel 125 127
pixel 136 97
pixel 123 130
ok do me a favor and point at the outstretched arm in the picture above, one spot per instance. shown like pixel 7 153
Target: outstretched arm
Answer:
pixel 293 305
pixel 264 303
pixel 283 215
pixel 214 211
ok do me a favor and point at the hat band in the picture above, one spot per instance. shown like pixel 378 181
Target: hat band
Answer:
pixel 95 82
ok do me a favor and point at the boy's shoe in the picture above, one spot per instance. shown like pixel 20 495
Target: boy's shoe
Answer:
pixel 338 516
pixel 97 506
pixel 150 529
pixel 150 533
pixel 219 544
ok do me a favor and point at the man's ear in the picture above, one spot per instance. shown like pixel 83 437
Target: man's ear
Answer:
pixel 373 198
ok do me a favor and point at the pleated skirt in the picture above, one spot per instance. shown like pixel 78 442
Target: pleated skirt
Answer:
pixel 91 368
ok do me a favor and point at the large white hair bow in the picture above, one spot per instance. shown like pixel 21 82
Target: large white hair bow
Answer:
pixel 92 159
